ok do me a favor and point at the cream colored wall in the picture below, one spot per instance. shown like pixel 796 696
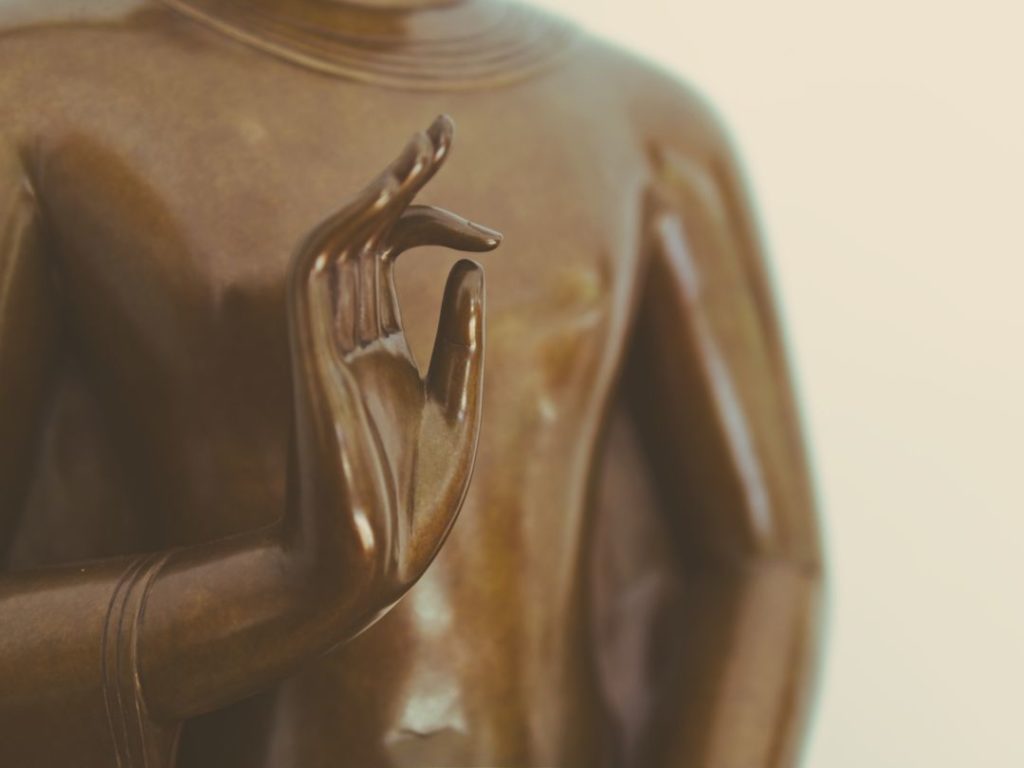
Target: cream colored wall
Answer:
pixel 885 142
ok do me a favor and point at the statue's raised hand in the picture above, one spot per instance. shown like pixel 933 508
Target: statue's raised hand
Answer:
pixel 382 455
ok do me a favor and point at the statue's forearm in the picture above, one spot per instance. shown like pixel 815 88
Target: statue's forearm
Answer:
pixel 225 620
pixel 175 633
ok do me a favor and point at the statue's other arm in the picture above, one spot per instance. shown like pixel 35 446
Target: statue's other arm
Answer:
pixel 712 394
pixel 106 658
pixel 51 623
pixel 28 335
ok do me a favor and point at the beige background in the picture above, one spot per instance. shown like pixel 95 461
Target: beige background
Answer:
pixel 885 143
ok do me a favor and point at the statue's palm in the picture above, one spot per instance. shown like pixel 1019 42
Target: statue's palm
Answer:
pixel 387 451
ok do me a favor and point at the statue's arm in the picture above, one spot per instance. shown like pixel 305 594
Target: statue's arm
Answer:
pixel 224 619
pixel 70 636
pixel 116 649
pixel 51 622
pixel 28 336
pixel 710 386
pixel 58 625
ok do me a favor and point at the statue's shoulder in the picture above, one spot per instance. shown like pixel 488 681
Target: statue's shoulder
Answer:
pixel 37 17
pixel 48 45
pixel 664 107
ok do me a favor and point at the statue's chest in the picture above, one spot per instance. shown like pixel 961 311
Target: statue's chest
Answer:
pixel 184 247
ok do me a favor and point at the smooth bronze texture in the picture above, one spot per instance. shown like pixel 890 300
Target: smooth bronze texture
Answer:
pixel 223 475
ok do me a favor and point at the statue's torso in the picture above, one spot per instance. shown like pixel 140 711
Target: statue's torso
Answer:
pixel 177 175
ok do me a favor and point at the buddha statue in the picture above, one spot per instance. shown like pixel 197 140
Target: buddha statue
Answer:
pixel 242 526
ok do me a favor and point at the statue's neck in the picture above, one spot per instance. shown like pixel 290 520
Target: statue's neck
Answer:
pixel 389 5
pixel 416 44
pixel 396 4
pixel 391 18
pixel 326 9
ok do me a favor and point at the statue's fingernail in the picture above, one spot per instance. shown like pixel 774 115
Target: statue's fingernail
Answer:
pixel 492 237
pixel 443 126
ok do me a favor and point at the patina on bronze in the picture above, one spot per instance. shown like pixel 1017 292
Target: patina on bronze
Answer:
pixel 223 474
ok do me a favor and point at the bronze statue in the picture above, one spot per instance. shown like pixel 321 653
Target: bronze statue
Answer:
pixel 223 476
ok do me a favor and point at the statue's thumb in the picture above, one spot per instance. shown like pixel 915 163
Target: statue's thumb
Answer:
pixel 455 378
